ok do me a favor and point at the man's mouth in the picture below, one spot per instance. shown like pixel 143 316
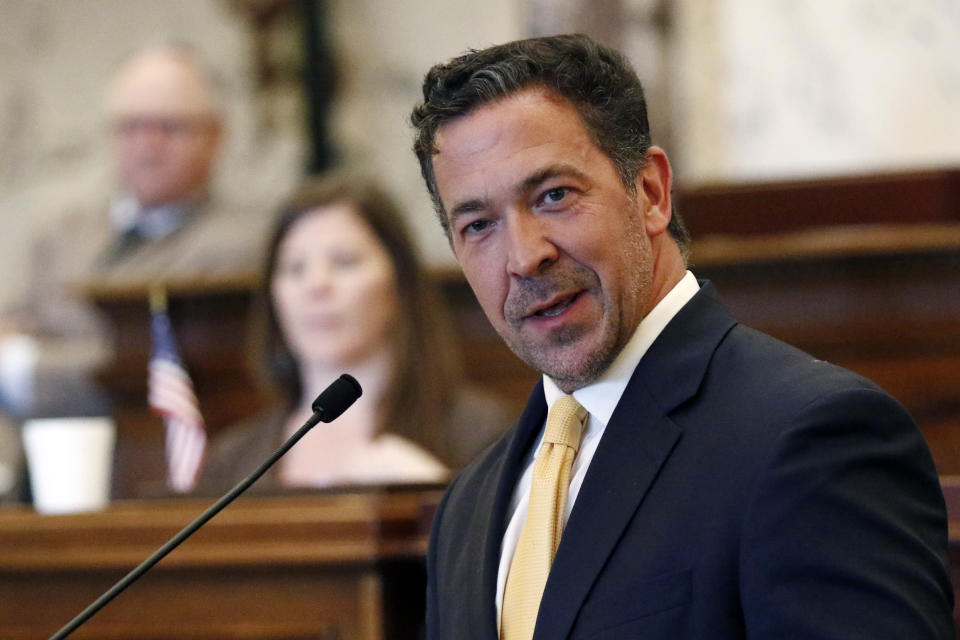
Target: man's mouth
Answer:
pixel 555 308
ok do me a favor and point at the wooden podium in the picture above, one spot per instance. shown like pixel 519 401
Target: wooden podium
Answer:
pixel 344 566
pixel 211 324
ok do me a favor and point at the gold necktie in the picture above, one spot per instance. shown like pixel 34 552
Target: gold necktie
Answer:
pixel 541 532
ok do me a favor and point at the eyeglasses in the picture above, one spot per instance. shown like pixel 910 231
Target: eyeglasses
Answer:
pixel 169 127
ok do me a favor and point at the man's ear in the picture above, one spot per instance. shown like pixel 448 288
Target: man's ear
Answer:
pixel 654 183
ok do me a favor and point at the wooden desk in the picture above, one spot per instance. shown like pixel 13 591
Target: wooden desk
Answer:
pixel 322 565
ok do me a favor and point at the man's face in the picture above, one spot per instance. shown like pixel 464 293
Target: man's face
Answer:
pixel 163 157
pixel 553 245
pixel 165 133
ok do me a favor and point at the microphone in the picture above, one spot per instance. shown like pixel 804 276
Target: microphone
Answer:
pixel 337 398
pixel 328 406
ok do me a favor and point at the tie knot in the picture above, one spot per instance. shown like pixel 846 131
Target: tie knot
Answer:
pixel 565 422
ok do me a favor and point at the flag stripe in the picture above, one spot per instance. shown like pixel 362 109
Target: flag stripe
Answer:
pixel 171 395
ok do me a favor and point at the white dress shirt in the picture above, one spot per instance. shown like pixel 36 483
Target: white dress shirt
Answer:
pixel 599 399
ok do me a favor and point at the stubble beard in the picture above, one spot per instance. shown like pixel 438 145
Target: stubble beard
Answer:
pixel 562 356
pixel 564 362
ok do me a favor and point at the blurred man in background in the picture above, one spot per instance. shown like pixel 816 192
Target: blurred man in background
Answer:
pixel 163 225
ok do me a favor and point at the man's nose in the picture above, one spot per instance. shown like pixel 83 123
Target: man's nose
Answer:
pixel 530 246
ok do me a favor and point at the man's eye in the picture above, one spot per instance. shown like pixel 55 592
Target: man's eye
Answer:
pixel 555 195
pixel 476 226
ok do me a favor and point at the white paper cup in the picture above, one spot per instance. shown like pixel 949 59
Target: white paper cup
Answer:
pixel 70 462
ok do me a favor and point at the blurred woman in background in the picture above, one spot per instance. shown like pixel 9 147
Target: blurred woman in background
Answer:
pixel 343 291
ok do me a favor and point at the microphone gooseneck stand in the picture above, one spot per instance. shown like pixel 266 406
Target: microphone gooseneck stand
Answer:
pixel 328 406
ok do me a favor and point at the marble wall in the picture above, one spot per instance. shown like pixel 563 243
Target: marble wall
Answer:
pixel 739 90
pixel 801 88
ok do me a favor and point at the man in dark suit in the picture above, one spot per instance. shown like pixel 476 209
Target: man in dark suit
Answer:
pixel 722 484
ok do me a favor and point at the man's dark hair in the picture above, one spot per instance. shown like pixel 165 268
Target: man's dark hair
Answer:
pixel 599 82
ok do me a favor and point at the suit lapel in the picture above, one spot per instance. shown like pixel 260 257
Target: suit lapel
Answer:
pixel 496 502
pixel 636 443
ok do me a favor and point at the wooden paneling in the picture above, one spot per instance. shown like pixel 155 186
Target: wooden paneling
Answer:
pixel 765 208
pixel 326 565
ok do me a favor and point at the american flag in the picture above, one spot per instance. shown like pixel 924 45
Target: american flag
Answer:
pixel 171 395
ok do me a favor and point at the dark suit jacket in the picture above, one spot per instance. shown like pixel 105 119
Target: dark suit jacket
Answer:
pixel 741 489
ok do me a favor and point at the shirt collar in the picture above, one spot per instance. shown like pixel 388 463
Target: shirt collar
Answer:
pixel 128 216
pixel 601 397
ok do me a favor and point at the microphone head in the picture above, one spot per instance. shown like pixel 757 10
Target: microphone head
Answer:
pixel 337 398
